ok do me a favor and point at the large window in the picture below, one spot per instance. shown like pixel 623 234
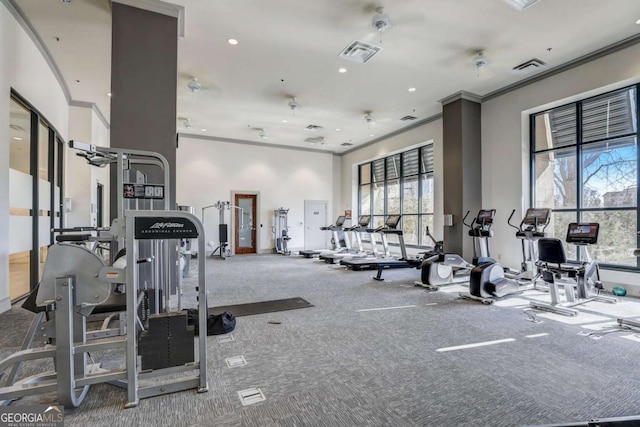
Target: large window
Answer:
pixel 35 193
pixel 400 184
pixel 585 167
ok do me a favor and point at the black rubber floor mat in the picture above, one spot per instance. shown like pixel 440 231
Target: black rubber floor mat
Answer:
pixel 262 307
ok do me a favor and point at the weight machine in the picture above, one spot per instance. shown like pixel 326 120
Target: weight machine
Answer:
pixel 223 227
pixel 155 342
pixel 281 231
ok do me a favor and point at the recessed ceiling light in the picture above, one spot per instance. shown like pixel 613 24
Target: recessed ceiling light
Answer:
pixel 371 135
pixel 233 41
pixel 203 130
pixel 109 94
pixel 342 70
pixel 17 138
pixel 338 129
pixel 285 121
pixel 638 22
pixel 412 89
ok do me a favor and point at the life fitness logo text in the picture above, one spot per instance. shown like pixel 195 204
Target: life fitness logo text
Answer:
pixel 165 225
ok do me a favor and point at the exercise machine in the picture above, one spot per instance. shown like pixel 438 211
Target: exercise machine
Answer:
pixel 281 231
pixel 531 229
pixel 156 346
pixel 432 252
pixel 387 260
pixel 450 269
pixel 489 281
pixel 631 323
pixel 223 227
pixel 581 282
pixel 357 251
pixel 339 242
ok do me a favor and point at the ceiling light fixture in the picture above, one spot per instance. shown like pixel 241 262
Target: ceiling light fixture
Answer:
pixel 480 61
pixel 638 22
pixel 338 129
pixel 294 105
pixel 285 121
pixel 17 138
pixel 371 121
pixel 109 94
pixel 381 22
pixel 342 70
pixel 520 5
pixel 232 42
pixel 412 89
pixel 203 130
pixel 371 134
pixel 194 85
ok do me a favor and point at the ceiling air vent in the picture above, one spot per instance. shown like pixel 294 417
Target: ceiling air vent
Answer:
pixel 408 118
pixel 314 127
pixel 315 140
pixel 346 144
pixel 359 51
pixel 529 67
pixel 17 128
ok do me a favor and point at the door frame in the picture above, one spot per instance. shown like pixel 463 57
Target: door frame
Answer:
pixel 232 219
pixel 326 216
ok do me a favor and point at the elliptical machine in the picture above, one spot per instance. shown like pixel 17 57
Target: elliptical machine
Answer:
pixel 488 281
pixel 449 269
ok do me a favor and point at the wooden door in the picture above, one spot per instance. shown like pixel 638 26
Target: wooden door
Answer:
pixel 245 224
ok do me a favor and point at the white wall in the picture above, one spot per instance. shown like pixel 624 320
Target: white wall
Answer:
pixel 505 139
pixel 82 178
pixel 24 69
pixel 209 171
pixel 431 132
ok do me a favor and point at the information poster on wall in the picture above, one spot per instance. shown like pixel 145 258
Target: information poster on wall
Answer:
pixel 347 214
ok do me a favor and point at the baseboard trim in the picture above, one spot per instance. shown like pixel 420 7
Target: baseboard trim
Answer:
pixel 5 304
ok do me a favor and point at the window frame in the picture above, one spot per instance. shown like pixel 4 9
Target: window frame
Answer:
pixel 422 240
pixel 578 149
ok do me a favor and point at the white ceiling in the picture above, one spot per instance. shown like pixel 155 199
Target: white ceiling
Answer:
pixel 289 48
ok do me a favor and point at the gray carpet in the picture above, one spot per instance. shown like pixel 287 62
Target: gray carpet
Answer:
pixel 332 365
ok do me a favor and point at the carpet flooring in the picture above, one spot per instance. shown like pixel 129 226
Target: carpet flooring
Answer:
pixel 380 354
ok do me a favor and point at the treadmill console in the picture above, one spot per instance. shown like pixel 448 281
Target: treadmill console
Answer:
pixel 340 221
pixel 583 233
pixel 536 217
pixel 392 221
pixel 364 220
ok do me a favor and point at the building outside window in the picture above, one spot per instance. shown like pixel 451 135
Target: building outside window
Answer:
pixel 584 159
pixel 400 184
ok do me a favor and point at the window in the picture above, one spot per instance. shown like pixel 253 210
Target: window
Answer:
pixel 400 184
pixel 585 167
pixel 35 193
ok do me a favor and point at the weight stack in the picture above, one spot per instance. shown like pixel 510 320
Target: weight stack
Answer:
pixel 167 342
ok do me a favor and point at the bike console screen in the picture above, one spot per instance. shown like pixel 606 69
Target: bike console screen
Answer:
pixel 583 233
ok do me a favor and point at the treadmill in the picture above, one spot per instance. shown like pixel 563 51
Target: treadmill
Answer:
pixel 387 261
pixel 363 223
pixel 340 244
